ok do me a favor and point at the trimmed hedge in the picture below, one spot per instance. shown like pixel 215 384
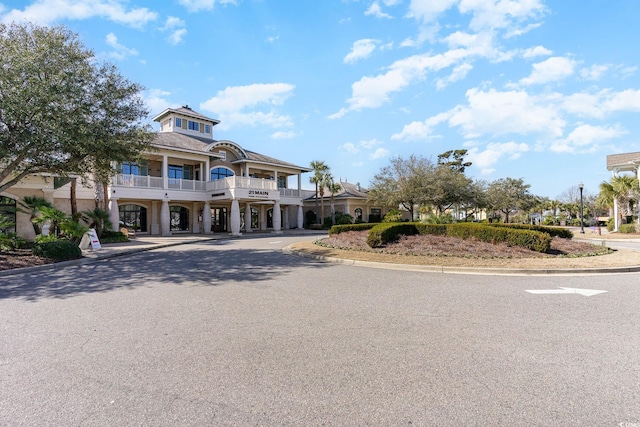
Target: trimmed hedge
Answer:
pixel 627 228
pixel 551 231
pixel 389 231
pixel 533 240
pixel 337 229
pixel 59 250
pixel 113 237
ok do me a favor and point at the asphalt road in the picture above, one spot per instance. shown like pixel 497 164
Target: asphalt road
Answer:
pixel 236 332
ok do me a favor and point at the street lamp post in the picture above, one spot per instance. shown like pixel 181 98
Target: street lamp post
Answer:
pixel 581 186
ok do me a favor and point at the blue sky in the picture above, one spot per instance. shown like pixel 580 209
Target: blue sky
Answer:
pixel 534 89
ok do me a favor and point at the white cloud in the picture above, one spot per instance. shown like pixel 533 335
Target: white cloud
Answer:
pixel 602 103
pixel 428 11
pixel 496 14
pixel 586 138
pixel 350 147
pixel 379 153
pixel 595 72
pixel 533 52
pixel 376 11
pixel 177 29
pixel 458 73
pixel 500 113
pixel 232 105
pixel 370 143
pixel 493 152
pixel 421 130
pixel 283 135
pixel 49 11
pixel 157 101
pixel 372 92
pixel 177 36
pixel 120 51
pixel 361 49
pixel 196 5
pixel 553 69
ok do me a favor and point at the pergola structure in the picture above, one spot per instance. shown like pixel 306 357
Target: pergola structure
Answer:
pixel 624 162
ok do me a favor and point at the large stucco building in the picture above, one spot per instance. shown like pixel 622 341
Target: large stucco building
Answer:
pixel 189 183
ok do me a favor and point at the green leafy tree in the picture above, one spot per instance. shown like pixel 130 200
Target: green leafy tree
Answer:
pixel 404 182
pixel 446 188
pixel 454 159
pixel 61 112
pixel 508 195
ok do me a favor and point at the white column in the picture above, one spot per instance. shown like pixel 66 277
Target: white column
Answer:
pixel 235 218
pixel 263 217
pixel 195 228
pixel 277 218
pixel 299 185
pixel 153 218
pixel 300 217
pixel 206 218
pixel 286 218
pixel 165 172
pixel 207 171
pixel 165 228
pixel 616 220
pixel 114 213
pixel 247 218
pixel 246 170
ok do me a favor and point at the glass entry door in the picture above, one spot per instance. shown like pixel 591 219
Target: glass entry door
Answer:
pixel 218 220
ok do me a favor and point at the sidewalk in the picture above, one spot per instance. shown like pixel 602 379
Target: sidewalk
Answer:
pixel 143 243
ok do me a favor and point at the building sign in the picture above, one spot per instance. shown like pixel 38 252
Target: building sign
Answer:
pixel 258 194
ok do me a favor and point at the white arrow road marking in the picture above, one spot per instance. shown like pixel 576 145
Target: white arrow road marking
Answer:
pixel 585 292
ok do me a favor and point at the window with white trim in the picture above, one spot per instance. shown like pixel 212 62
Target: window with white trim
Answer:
pixel 193 125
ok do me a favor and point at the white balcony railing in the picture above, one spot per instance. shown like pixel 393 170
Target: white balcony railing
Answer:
pixel 241 182
pixel 137 181
pixel 289 192
pixel 187 184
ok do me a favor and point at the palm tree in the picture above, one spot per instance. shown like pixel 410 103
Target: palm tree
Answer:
pixel 333 187
pixel 31 205
pixel 622 189
pixel 54 217
pixel 319 169
pixel 97 218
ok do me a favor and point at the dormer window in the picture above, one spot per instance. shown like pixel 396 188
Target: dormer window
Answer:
pixel 207 129
pixel 178 122
pixel 193 126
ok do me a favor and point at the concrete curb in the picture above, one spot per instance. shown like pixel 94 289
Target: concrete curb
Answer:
pixel 465 270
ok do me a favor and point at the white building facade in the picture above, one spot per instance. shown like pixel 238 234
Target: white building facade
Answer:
pixel 188 183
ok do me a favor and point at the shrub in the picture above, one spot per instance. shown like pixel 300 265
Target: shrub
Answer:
pixel 337 229
pixel 553 232
pixel 113 237
pixel 343 218
pixel 611 224
pixel 531 239
pixel 387 232
pixel 627 228
pixel 59 250
pixel 394 215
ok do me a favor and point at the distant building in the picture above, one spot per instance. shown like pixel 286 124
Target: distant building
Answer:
pixel 351 199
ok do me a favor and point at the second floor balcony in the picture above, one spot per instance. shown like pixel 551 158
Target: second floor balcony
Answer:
pixel 232 182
